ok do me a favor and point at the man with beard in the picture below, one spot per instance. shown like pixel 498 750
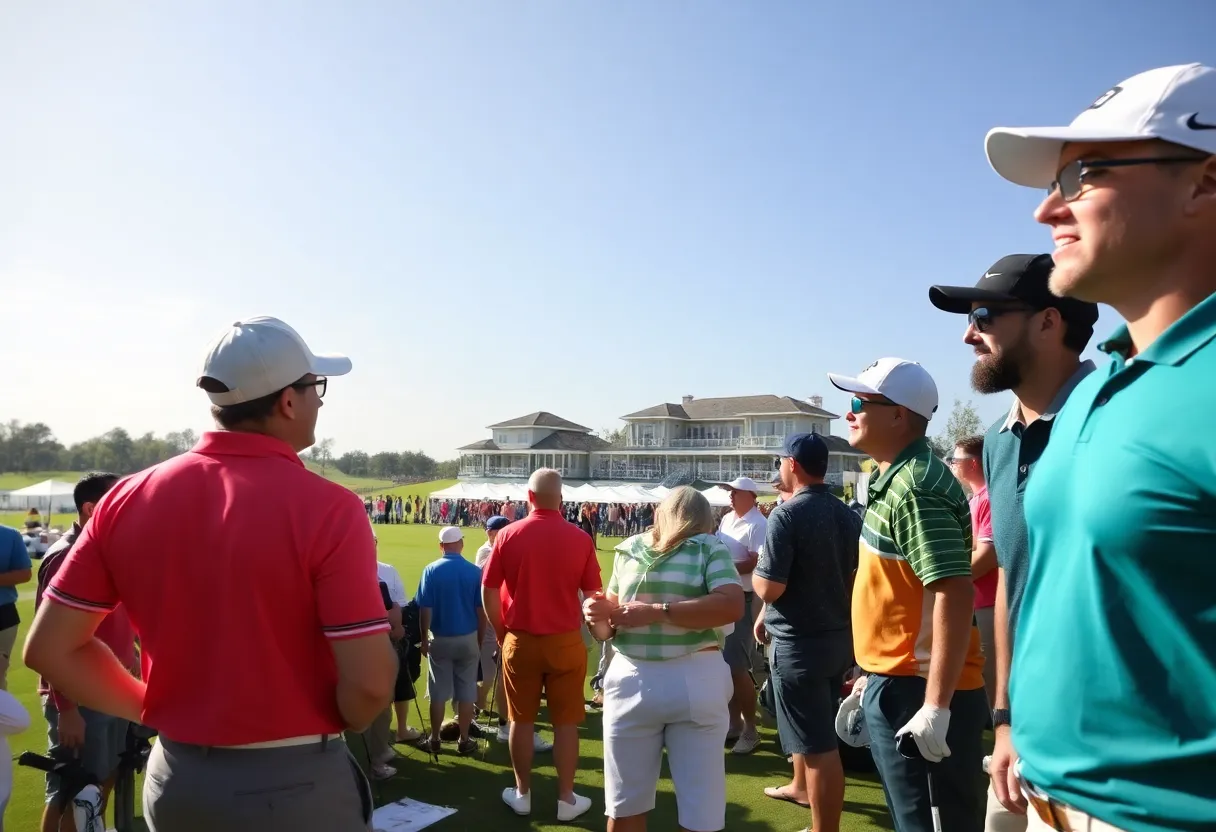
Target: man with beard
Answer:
pixel 1029 341
pixel 1115 656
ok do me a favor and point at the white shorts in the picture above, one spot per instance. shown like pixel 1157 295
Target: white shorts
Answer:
pixel 685 710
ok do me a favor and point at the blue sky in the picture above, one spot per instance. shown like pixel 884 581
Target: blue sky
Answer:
pixel 501 207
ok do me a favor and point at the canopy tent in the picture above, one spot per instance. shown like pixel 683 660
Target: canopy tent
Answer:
pixel 585 493
pixel 49 496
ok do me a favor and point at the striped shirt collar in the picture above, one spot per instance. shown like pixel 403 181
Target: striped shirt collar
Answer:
pixel 1015 412
pixel 916 448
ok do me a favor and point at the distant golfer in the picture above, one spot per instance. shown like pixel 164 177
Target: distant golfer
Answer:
pixel 252 584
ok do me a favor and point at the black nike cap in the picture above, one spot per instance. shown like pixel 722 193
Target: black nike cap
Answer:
pixel 1018 278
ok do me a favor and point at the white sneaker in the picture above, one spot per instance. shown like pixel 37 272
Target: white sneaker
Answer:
pixel 747 742
pixel 521 804
pixel 570 811
pixel 504 733
pixel 539 743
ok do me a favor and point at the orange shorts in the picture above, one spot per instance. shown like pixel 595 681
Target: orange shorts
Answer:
pixel 557 664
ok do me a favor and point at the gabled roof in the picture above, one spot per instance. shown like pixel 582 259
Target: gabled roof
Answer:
pixel 562 440
pixel 729 407
pixel 541 419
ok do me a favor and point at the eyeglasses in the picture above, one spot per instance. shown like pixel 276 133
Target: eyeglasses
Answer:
pixel 1072 176
pixel 954 460
pixel 777 463
pixel 857 404
pixel 320 384
pixel 983 317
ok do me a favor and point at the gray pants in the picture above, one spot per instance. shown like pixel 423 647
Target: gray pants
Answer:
pixel 303 788
pixel 452 668
pixel 378 738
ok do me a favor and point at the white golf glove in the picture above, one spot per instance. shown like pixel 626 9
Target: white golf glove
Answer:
pixel 928 728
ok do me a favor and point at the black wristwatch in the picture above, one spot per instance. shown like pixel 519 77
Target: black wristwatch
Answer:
pixel 1000 716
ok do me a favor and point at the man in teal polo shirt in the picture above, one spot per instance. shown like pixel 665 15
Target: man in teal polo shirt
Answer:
pixel 1030 341
pixel 1115 659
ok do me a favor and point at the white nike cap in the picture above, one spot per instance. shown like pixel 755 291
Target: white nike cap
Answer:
pixel 450 534
pixel 742 484
pixel 1173 103
pixel 259 356
pixel 904 382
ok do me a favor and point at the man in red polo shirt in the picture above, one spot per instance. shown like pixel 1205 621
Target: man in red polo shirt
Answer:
pixel 530 593
pixel 252 585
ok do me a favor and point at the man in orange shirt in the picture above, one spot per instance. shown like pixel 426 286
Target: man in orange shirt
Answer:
pixel 530 592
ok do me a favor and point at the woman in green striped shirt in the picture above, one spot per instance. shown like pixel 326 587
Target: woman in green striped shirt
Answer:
pixel 672 589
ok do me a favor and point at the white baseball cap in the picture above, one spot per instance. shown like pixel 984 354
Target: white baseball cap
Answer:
pixel 851 721
pixel 742 484
pixel 1174 103
pixel 904 382
pixel 450 534
pixel 259 356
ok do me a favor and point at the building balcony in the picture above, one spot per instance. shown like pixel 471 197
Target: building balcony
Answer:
pixel 628 472
pixel 730 443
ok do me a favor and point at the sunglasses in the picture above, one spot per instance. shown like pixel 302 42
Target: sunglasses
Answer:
pixel 983 317
pixel 1072 177
pixel 856 404
pixel 954 460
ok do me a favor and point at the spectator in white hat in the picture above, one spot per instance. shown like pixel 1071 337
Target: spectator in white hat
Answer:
pixel 304 631
pixel 913 627
pixel 742 531
pixel 453 626
pixel 1121 514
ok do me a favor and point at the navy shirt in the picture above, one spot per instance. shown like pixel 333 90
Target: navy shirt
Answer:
pixel 811 547
pixel 451 589
pixel 1011 451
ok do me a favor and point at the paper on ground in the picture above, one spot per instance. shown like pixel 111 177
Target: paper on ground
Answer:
pixel 408 815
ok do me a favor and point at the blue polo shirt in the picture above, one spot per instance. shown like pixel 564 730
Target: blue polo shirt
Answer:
pixel 13 556
pixel 451 589
pixel 1114 670
pixel 1012 449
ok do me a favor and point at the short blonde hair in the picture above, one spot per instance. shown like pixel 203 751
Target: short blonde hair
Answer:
pixel 684 513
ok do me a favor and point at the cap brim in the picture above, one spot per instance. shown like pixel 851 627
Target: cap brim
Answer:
pixel 329 365
pixel 958 299
pixel 851 385
pixel 1030 156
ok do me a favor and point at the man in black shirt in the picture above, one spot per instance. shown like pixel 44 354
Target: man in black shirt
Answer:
pixel 804 576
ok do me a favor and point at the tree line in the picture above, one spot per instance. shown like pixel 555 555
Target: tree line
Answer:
pixel 30 447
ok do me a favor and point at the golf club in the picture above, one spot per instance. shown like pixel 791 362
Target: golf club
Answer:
pixel 909 750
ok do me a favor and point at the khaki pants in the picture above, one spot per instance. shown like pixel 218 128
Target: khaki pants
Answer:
pixel 999 819
pixel 1074 820
pixel 8 639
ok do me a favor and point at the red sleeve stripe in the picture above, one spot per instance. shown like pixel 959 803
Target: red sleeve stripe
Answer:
pixel 361 628
pixel 75 602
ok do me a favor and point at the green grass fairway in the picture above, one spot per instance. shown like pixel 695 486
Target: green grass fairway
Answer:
pixel 473 785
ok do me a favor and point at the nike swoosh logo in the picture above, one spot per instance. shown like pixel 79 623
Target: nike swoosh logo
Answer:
pixel 989 274
pixel 1194 124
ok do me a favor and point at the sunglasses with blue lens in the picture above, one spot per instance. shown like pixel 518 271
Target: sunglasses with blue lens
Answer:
pixel 857 404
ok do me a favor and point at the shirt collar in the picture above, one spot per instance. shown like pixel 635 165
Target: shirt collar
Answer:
pixel 1189 333
pixel 237 443
pixel 915 449
pixel 1015 413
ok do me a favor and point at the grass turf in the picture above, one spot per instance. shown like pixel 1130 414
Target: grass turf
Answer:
pixel 472 785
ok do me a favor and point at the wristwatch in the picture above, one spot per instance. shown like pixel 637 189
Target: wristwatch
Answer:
pixel 1000 716
pixel 666 609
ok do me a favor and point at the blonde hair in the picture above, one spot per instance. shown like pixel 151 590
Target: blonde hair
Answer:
pixel 684 513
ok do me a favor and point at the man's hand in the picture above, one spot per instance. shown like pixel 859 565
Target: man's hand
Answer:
pixel 634 614
pixel 396 632
pixel 424 646
pixel 928 727
pixel 597 608
pixel 761 632
pixel 1001 769
pixel 71 729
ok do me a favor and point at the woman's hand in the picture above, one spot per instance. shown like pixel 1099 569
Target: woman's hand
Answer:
pixel 635 614
pixel 597 608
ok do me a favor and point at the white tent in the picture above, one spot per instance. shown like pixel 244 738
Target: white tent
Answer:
pixel 49 496
pixel 717 496
pixel 585 493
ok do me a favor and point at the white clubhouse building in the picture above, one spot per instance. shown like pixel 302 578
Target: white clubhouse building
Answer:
pixel 709 439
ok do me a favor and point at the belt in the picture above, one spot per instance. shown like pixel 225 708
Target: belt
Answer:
pixel 1052 812
pixel 287 742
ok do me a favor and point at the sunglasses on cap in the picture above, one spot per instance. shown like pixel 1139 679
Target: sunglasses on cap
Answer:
pixel 856 404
